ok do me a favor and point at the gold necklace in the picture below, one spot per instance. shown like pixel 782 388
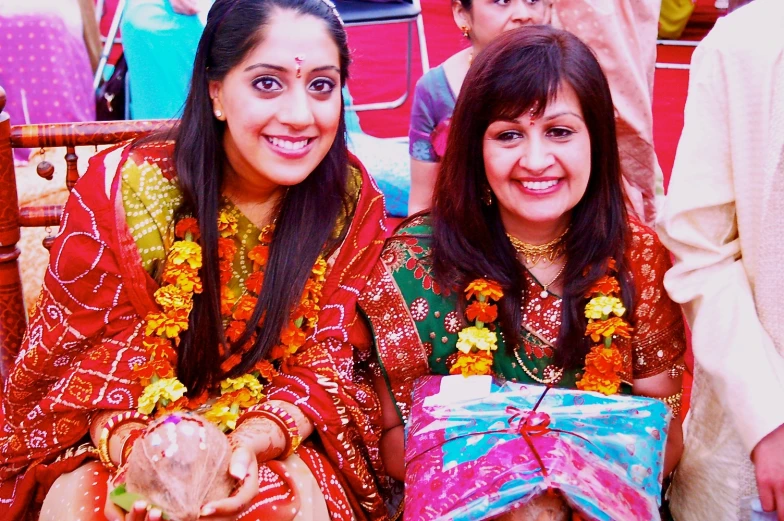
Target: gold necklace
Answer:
pixel 552 374
pixel 533 253
pixel 544 292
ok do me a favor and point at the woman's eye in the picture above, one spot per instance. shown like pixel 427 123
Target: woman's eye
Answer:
pixel 502 2
pixel 322 86
pixel 509 135
pixel 559 132
pixel 267 84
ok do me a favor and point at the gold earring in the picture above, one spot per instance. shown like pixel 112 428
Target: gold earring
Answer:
pixel 466 30
pixel 487 196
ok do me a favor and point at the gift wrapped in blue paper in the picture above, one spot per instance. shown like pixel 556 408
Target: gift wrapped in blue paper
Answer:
pixel 478 447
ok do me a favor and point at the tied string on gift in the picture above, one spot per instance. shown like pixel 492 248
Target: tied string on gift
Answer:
pixel 527 423
pixel 530 424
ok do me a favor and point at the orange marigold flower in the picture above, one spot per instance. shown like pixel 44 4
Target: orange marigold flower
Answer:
pixel 475 363
pixel 160 348
pixel 486 288
pixel 186 226
pixel 227 223
pixel 198 401
pixel 594 381
pixel 235 330
pixel 183 276
pixel 244 307
pixel 307 308
pixel 259 254
pixel 266 370
pixel 605 360
pixel 267 233
pixel 160 368
pixel 227 249
pixel 182 404
pixel 607 328
pixel 254 282
pixel 171 297
pixel 606 285
pixel 482 311
pixel 227 301
pixel 292 336
pixel 167 325
pixel 611 265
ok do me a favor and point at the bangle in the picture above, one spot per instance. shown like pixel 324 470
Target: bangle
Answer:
pixel 673 401
pixel 128 445
pixel 281 418
pixel 109 427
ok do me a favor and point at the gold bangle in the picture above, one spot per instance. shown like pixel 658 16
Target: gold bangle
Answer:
pixel 109 427
pixel 673 401
pixel 282 419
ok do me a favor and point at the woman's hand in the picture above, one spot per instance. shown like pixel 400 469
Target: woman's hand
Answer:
pixel 243 467
pixel 139 512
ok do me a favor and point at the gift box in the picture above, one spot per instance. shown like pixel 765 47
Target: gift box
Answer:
pixel 478 447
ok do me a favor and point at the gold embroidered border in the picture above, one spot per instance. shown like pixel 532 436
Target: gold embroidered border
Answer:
pixel 400 350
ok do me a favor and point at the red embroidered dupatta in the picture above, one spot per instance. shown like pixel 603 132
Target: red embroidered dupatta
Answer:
pixel 84 337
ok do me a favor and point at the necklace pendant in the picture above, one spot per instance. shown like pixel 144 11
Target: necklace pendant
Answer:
pixel 544 293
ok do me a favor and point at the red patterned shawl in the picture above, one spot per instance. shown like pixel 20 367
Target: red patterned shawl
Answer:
pixel 84 338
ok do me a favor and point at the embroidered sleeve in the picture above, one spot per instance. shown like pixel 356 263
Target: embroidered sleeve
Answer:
pixel 659 337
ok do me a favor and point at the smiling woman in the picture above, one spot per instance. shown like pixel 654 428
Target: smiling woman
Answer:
pixel 212 279
pixel 530 270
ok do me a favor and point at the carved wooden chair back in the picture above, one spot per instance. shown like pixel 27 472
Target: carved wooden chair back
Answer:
pixel 13 316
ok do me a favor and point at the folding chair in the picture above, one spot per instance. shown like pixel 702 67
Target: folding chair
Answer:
pixel 357 13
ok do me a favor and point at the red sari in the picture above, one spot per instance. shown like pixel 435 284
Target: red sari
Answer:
pixel 84 338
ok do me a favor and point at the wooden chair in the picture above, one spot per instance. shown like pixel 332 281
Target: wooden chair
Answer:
pixel 13 316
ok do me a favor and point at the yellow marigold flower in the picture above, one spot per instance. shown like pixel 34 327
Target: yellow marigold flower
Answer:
pixel 185 252
pixel 246 381
pixel 320 269
pixel 174 298
pixel 605 384
pixel 167 325
pixel 481 338
pixel 183 276
pixel 607 328
pixel 169 389
pixel 227 223
pixel 487 288
pixel 599 307
pixel 223 415
pixel 469 364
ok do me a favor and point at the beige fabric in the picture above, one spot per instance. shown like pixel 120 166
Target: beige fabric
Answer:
pixel 722 220
pixel 623 35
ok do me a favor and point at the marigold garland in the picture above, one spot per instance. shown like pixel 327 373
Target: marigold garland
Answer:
pixel 476 343
pixel 604 311
pixel 604 363
pixel 163 392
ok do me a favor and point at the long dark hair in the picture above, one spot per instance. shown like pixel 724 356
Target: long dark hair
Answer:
pixel 307 213
pixel 524 69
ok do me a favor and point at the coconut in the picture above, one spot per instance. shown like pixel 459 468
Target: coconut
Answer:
pixel 179 464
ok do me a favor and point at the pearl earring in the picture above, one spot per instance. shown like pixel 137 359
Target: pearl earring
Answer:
pixel 218 114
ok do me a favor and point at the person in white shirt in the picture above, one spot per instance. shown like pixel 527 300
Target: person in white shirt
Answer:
pixel 722 221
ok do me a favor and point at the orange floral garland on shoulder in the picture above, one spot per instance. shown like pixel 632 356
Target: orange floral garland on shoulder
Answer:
pixel 604 311
pixel 163 392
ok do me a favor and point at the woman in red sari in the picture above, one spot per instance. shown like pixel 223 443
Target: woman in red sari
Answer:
pixel 191 272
